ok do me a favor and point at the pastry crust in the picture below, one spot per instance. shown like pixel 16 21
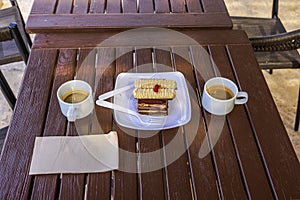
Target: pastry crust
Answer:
pixel 150 83
pixel 140 93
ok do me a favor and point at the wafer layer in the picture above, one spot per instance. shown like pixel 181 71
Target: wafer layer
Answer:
pixel 139 93
pixel 150 83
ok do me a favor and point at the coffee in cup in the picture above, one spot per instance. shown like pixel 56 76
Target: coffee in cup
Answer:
pixel 75 99
pixel 220 92
pixel 220 95
pixel 75 96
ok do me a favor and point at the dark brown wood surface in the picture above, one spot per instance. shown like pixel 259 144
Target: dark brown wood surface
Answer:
pixel 253 158
pixel 65 15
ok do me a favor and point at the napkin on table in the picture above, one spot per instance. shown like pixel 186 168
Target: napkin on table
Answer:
pixel 75 154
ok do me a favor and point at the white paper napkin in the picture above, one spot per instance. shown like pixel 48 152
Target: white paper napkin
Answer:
pixel 75 154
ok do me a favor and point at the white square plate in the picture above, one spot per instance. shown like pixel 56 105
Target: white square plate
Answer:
pixel 179 111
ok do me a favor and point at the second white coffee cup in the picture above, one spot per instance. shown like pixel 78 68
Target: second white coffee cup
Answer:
pixel 75 99
pixel 220 95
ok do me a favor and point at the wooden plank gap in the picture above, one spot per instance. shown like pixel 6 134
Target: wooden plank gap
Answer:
pixel 237 154
pixel 265 165
pixel 85 189
pixel 96 6
pixel 63 71
pixel 170 6
pixel 121 6
pixel 88 6
pixel 204 119
pixel 122 9
pixel 105 6
pixel 214 67
pixel 172 59
pixel 185 6
pixel 154 9
pixel 213 156
pixel 165 172
pixel 72 7
pixel 191 174
pixel 161 6
pixel 154 62
pixel 138 6
pixel 202 6
pixel 51 88
pixel 212 153
pixel 55 6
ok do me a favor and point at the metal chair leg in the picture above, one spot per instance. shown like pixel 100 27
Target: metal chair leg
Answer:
pixel 19 41
pixel 270 71
pixel 297 119
pixel 7 92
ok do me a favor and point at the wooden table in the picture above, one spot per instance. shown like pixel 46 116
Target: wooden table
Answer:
pixel 253 157
pixel 66 15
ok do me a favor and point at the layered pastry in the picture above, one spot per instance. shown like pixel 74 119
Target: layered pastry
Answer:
pixel 153 95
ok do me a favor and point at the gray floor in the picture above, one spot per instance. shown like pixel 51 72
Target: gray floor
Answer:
pixel 283 83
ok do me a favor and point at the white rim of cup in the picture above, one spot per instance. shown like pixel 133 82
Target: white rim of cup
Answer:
pixel 225 79
pixel 68 82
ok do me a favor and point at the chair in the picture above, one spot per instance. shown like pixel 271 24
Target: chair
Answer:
pixel 259 27
pixel 15 45
pixel 274 47
pixel 280 42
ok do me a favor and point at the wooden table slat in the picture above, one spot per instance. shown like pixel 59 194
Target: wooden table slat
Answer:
pixel 146 6
pixel 80 7
pixel 64 7
pixel 85 67
pixel 149 142
pixel 129 6
pixel 231 185
pixel 43 7
pixel 242 136
pixel 46 15
pixel 277 151
pixel 202 182
pixel 28 125
pixel 92 39
pixel 162 6
pixel 43 23
pixel 126 183
pixel 194 6
pixel 104 82
pixel 213 6
pixel 113 6
pixel 152 182
pixel 177 6
pixel 97 6
pixel 177 172
pixel 72 185
pixel 99 184
pixel 46 186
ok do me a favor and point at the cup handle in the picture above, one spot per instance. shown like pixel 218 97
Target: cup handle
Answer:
pixel 241 98
pixel 71 114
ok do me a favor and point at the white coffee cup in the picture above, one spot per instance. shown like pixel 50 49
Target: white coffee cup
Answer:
pixel 221 103
pixel 75 99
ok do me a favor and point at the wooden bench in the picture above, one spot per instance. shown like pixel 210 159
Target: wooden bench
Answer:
pixel 68 15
